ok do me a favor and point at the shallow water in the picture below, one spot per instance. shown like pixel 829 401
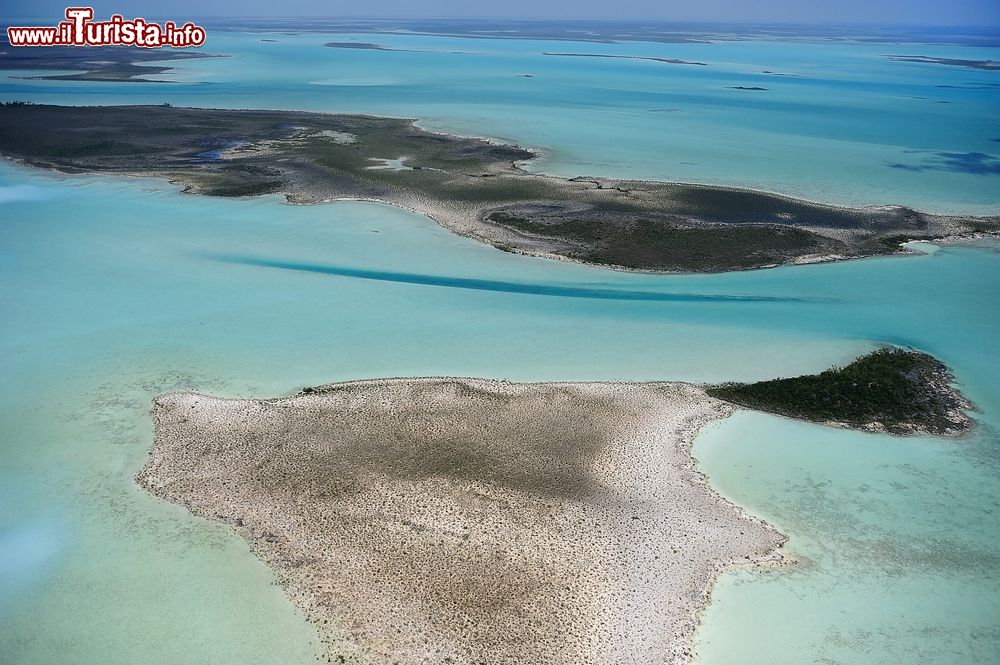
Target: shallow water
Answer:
pixel 838 122
pixel 115 290
pixel 896 541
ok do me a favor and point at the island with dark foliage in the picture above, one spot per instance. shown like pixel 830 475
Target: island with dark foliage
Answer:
pixel 889 390
pixel 472 186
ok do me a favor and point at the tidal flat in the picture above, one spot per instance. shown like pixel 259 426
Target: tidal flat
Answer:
pixel 471 520
pixel 467 521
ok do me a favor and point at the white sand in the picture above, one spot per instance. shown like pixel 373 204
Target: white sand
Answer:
pixel 422 520
pixel 389 164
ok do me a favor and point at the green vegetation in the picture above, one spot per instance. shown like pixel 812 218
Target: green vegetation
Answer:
pixel 469 185
pixel 662 245
pixel 902 391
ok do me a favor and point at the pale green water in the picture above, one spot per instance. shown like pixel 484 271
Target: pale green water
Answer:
pixel 113 291
pixel 114 304
pixel 898 542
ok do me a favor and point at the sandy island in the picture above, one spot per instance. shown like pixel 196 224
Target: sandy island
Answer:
pixel 469 521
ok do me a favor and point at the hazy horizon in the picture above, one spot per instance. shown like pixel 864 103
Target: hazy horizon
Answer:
pixel 983 14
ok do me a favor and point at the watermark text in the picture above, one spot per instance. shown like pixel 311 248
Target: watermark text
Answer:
pixel 79 29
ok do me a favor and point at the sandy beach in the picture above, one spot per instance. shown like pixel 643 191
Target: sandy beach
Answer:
pixel 466 521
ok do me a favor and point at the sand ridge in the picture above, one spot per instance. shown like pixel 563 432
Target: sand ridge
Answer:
pixel 469 521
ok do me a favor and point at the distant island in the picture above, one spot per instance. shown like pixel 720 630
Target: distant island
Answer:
pixel 100 63
pixel 364 46
pixel 472 186
pixel 988 65
pixel 667 61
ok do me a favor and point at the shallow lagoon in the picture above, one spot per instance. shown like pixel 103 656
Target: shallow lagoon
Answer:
pixel 838 123
pixel 126 297
pixel 114 290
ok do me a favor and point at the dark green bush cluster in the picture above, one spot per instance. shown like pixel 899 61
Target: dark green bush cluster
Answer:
pixel 903 390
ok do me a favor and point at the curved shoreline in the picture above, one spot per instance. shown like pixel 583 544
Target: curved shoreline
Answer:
pixel 474 187
pixel 541 155
pixel 182 187
pixel 676 411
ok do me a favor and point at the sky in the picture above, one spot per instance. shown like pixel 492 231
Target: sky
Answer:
pixel 903 12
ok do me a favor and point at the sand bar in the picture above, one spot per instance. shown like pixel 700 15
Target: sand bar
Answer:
pixel 467 521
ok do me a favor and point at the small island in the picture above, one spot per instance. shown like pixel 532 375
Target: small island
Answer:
pixel 668 61
pixel 888 390
pixel 364 46
pixel 987 65
pixel 471 186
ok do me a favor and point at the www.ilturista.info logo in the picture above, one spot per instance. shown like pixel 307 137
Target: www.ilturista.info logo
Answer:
pixel 79 29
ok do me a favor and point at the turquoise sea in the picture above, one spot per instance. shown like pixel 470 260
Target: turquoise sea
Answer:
pixel 838 122
pixel 114 290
